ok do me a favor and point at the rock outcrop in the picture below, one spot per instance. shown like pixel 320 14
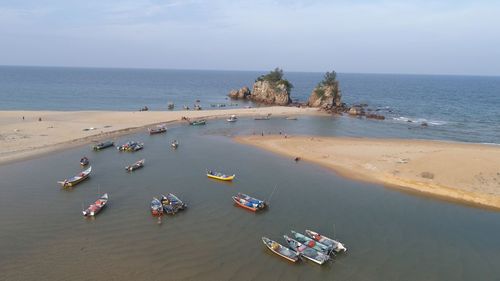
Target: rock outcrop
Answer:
pixel 270 93
pixel 271 89
pixel 325 97
pixel 243 93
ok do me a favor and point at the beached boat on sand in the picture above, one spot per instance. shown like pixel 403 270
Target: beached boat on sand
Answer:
pixel 157 130
pixel 334 244
pixel 103 145
pixel 156 207
pixel 76 179
pixel 137 165
pixel 96 207
pixel 311 243
pixel 306 252
pixel 219 176
pixel 280 250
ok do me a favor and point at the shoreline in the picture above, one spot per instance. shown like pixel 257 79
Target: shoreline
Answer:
pixel 457 172
pixel 23 139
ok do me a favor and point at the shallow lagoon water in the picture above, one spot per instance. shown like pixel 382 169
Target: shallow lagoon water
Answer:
pixel 390 235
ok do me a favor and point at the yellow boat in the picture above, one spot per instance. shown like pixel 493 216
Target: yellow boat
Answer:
pixel 220 176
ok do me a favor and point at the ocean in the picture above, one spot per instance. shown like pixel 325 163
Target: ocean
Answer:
pixel 457 108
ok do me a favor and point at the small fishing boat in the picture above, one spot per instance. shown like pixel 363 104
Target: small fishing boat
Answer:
pixel 76 179
pixel 311 243
pixel 280 250
pixel 168 207
pixel 170 105
pixel 198 122
pixel 334 244
pixel 84 161
pixel 137 165
pixel 96 207
pixel 174 144
pixel 197 107
pixel 291 118
pixel 131 146
pixel 219 176
pixel 156 207
pixel 103 145
pixel 157 130
pixel 248 202
pixel 232 118
pixel 175 201
pixel 306 252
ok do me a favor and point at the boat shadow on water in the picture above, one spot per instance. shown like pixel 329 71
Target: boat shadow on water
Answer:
pixel 219 182
pixel 327 266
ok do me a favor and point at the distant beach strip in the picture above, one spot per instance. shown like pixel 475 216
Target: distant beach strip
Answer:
pixel 27 134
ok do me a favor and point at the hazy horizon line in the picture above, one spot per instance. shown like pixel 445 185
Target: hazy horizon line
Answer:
pixel 248 70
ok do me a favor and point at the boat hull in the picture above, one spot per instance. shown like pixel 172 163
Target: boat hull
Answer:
pixel 293 258
pixel 229 178
pixel 243 205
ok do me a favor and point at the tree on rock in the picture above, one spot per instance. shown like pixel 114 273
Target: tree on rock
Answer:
pixel 326 94
pixel 272 88
pixel 275 77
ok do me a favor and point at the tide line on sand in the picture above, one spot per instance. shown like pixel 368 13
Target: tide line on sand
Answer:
pixel 468 173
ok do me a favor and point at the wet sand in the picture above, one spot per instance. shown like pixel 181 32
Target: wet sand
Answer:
pixel 468 173
pixel 25 138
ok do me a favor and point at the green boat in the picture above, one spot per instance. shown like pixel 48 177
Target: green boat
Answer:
pixel 199 122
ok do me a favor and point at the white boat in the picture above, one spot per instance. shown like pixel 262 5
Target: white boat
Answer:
pixel 232 118
pixel 306 252
pixel 334 244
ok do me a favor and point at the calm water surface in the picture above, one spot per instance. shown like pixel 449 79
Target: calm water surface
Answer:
pixel 391 235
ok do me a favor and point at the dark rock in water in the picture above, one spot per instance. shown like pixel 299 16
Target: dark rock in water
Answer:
pixel 356 111
pixel 375 116
pixel 243 93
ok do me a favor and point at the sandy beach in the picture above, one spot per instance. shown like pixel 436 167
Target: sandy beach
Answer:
pixel 25 138
pixel 468 173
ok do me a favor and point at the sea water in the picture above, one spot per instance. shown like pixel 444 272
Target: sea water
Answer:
pixel 459 108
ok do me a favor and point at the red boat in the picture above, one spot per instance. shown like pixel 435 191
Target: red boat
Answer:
pixel 247 204
pixel 95 208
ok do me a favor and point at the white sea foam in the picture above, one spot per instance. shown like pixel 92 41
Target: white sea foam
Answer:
pixel 420 121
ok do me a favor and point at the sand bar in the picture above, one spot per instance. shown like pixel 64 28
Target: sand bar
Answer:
pixel 24 138
pixel 469 173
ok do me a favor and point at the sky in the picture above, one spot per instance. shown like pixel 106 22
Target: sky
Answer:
pixel 360 36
